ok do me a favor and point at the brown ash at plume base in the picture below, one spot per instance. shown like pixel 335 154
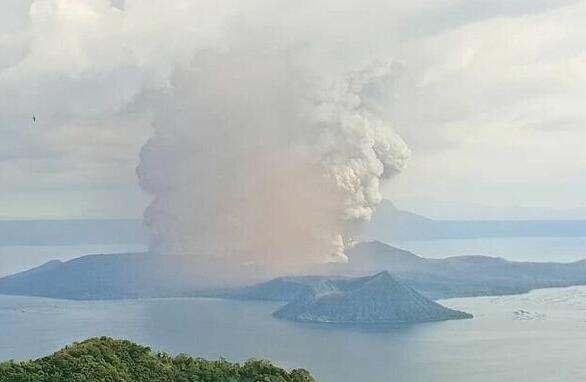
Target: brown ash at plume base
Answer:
pixel 258 163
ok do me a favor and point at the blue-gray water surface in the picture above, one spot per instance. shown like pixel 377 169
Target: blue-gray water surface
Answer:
pixel 538 337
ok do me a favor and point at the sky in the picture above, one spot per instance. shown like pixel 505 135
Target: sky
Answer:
pixel 487 94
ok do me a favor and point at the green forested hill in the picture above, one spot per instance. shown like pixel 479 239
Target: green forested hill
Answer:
pixel 108 360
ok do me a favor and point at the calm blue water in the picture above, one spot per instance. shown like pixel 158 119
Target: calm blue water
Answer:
pixel 539 337
pixel 564 249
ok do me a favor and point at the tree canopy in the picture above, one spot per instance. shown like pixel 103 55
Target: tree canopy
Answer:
pixel 109 360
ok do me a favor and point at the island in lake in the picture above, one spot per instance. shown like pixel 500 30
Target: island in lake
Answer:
pixel 401 290
pixel 143 275
pixel 378 299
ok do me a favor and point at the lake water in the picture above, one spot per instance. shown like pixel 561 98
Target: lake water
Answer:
pixel 539 337
pixel 558 249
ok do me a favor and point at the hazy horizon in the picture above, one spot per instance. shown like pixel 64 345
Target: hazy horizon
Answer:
pixel 428 207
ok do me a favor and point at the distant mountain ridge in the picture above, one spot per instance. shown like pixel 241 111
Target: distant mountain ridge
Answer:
pixel 97 277
pixel 463 276
pixel 145 275
pixel 390 224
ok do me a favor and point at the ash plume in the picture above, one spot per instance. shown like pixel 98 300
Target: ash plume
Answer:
pixel 259 163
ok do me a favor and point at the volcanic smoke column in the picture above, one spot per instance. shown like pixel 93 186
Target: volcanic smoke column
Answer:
pixel 255 162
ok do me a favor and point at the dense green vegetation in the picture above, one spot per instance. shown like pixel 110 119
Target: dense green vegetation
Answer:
pixel 109 360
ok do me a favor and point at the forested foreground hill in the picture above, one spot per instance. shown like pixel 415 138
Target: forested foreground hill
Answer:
pixel 108 360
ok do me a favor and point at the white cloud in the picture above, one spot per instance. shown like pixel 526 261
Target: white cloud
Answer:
pixel 489 97
pixel 503 120
pixel 80 67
